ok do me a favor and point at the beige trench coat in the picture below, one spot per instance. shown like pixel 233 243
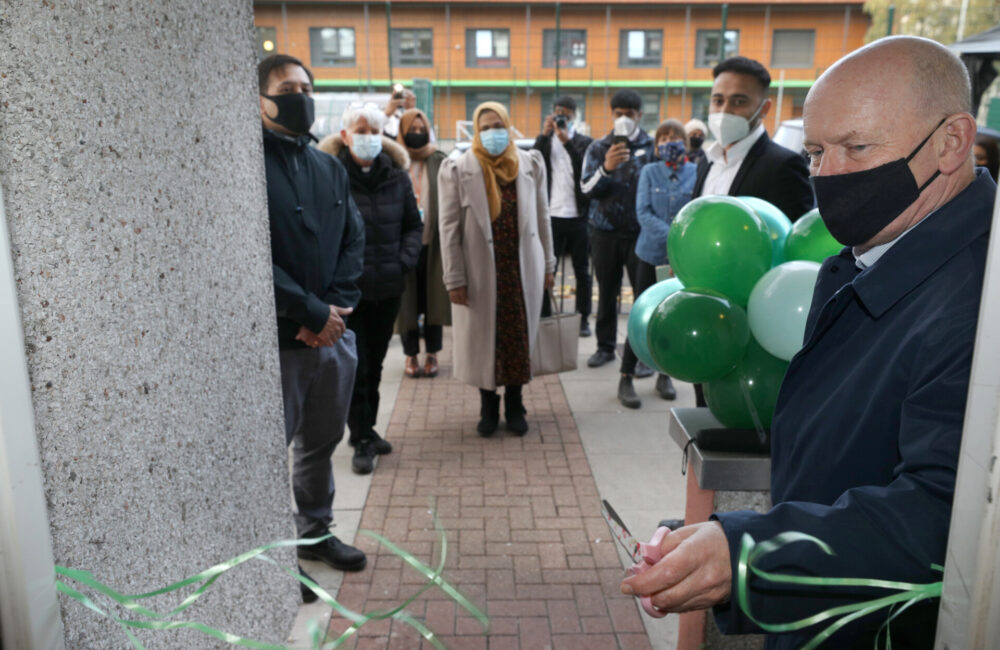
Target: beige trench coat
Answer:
pixel 467 252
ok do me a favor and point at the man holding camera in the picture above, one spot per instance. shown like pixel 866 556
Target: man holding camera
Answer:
pixel 563 150
pixel 403 99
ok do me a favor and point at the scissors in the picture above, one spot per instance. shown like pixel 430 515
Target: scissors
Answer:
pixel 643 555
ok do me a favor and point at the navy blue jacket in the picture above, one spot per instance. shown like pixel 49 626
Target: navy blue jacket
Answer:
pixel 317 236
pixel 867 429
pixel 612 197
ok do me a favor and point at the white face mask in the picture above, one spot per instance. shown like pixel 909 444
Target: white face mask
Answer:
pixel 366 146
pixel 728 128
pixel 624 125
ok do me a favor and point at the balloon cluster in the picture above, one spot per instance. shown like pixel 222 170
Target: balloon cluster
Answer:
pixel 735 314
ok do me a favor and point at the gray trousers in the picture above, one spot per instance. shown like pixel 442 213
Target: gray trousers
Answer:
pixel 316 387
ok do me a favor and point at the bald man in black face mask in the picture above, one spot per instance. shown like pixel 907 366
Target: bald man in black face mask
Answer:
pixel 317 249
pixel 868 425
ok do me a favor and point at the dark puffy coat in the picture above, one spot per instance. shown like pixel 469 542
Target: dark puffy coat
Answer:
pixel 393 228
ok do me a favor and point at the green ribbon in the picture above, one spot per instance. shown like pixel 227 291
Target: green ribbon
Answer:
pixel 908 593
pixel 207 577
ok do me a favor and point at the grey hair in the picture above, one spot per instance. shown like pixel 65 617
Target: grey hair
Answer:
pixel 370 112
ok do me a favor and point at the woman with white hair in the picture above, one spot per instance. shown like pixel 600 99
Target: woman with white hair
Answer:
pixel 381 189
pixel 496 245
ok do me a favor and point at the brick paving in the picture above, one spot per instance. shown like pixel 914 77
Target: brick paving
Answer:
pixel 526 541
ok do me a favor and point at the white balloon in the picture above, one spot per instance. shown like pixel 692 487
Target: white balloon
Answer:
pixel 779 306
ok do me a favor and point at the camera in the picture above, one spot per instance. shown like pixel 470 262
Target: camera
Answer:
pixel 560 121
pixel 397 91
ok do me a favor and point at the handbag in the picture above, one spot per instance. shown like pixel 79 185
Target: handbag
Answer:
pixel 556 346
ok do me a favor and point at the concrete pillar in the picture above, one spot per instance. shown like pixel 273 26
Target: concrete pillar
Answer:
pixel 131 161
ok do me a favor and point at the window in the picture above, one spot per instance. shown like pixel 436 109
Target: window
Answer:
pixel 331 46
pixel 487 48
pixel 650 111
pixel 549 98
pixel 572 48
pixel 266 39
pixel 472 100
pixel 707 50
pixel 793 48
pixel 412 47
pixel 699 105
pixel 639 48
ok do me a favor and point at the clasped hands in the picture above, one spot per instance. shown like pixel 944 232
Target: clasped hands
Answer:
pixel 331 332
pixel 694 573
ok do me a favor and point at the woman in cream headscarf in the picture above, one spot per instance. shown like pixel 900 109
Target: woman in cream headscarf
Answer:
pixel 496 245
pixel 425 293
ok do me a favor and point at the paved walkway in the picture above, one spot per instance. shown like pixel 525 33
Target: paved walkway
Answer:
pixel 527 543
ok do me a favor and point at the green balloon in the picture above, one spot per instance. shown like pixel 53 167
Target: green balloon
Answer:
pixel 755 382
pixel 810 240
pixel 642 311
pixel 778 225
pixel 720 243
pixel 697 335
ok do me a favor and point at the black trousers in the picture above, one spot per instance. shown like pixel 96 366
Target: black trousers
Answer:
pixel 572 237
pixel 433 334
pixel 645 278
pixel 372 322
pixel 611 252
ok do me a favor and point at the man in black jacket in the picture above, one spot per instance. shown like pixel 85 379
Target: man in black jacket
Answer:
pixel 381 188
pixel 317 244
pixel 568 205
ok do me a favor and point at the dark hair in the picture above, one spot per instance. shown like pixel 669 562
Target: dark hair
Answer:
pixel 626 98
pixel 276 62
pixel 743 65
pixel 566 102
pixel 992 153
pixel 670 128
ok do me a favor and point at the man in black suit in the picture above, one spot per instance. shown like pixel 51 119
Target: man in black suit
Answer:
pixel 743 161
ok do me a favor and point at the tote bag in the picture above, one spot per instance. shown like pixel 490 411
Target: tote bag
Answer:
pixel 556 347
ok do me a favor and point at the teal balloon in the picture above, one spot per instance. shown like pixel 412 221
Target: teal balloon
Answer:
pixel 810 240
pixel 779 306
pixel 746 397
pixel 642 312
pixel 719 242
pixel 697 335
pixel 778 225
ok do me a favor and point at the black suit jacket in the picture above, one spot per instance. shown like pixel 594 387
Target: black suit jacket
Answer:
pixel 770 172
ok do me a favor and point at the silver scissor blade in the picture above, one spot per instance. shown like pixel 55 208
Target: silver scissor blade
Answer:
pixel 621 532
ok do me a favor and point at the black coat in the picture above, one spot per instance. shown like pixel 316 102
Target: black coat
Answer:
pixel 868 426
pixel 770 172
pixel 317 237
pixel 576 147
pixel 393 228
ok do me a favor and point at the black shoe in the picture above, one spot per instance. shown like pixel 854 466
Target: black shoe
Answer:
pixel 584 328
pixel 334 553
pixel 626 393
pixel 308 595
pixel 364 458
pixel 379 444
pixel 513 411
pixel 600 358
pixel 489 412
pixel 665 387
pixel 642 370
pixel 672 524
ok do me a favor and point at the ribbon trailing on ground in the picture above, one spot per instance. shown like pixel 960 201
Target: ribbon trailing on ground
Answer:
pixel 908 593
pixel 207 577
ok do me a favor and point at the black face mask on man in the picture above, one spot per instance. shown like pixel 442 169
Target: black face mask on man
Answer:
pixel 296 111
pixel 857 206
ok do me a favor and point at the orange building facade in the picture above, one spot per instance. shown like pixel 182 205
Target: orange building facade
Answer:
pixel 526 54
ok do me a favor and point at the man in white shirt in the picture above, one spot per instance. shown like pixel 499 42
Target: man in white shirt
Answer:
pixel 563 150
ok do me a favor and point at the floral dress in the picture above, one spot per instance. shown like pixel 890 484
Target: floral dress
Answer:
pixel 513 367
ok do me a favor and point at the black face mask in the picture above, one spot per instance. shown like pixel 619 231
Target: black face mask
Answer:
pixel 416 140
pixel 296 111
pixel 696 142
pixel 857 206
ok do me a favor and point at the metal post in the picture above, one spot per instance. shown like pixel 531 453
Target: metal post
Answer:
pixel 527 63
pixel 368 39
pixel 388 34
pixel 284 27
pixel 892 17
pixel 722 34
pixel 666 93
pixel 687 44
pixel 558 43
pixel 448 49
pixel 781 95
pixel 961 20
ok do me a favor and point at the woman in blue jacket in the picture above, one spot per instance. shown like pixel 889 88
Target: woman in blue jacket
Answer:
pixel 665 185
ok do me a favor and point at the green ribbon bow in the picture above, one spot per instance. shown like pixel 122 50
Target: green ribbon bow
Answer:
pixel 751 552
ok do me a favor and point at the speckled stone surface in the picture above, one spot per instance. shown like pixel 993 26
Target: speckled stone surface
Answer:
pixel 131 161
